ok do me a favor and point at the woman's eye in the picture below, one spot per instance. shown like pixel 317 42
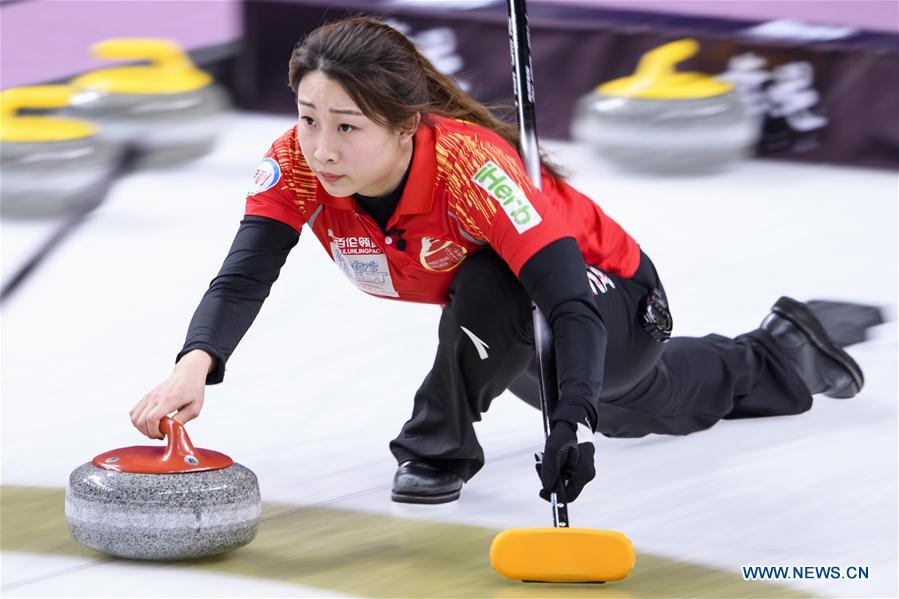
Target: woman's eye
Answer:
pixel 307 120
pixel 345 128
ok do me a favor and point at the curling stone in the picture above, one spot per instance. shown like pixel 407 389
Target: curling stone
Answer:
pixel 163 503
pixel 49 166
pixel 662 120
pixel 169 111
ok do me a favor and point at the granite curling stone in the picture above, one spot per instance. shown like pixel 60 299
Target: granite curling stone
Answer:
pixel 163 503
pixel 660 120
pixel 168 111
pixel 50 166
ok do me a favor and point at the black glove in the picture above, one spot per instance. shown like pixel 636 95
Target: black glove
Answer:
pixel 565 458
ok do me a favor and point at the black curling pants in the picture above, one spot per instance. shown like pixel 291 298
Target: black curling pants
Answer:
pixel 684 385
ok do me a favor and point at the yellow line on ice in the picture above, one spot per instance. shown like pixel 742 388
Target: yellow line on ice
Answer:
pixel 374 555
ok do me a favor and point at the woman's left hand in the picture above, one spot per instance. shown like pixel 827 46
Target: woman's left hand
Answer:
pixel 567 460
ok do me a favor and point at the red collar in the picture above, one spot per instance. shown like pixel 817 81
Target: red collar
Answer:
pixel 418 196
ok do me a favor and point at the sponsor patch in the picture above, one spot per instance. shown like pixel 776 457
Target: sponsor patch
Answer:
pixel 267 175
pixel 362 261
pixel 439 255
pixel 354 245
pixel 500 186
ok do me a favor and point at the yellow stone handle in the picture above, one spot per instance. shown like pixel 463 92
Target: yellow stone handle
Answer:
pixel 37 96
pixel 162 53
pixel 15 127
pixel 659 62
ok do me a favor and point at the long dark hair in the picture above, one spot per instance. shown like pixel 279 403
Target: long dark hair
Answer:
pixel 388 78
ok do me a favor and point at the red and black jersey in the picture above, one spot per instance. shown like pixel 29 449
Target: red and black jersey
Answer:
pixel 467 190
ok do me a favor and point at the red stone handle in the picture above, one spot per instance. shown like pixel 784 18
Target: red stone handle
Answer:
pixel 178 456
pixel 178 443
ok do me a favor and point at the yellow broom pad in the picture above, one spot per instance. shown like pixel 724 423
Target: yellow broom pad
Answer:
pixel 562 554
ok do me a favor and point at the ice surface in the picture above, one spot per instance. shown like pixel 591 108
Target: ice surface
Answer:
pixel 325 377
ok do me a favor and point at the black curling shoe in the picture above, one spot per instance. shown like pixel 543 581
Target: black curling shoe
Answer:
pixel 822 365
pixel 417 481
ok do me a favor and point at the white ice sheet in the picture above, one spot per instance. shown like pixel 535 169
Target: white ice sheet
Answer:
pixel 325 377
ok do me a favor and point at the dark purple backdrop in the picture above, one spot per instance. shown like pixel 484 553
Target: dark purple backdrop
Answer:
pixel 576 47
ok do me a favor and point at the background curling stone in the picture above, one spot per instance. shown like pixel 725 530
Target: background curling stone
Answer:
pixel 665 121
pixel 163 503
pixel 50 166
pixel 167 110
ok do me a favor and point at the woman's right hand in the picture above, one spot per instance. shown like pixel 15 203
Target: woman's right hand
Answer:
pixel 181 392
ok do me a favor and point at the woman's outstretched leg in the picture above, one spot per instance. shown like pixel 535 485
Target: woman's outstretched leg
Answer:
pixel 771 371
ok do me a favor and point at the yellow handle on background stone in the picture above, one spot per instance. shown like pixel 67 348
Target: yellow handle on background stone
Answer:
pixel 39 128
pixel 170 71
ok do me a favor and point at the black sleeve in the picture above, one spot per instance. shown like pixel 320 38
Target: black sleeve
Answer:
pixel 236 294
pixel 556 279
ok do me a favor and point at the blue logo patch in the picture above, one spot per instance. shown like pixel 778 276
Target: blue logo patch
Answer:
pixel 267 175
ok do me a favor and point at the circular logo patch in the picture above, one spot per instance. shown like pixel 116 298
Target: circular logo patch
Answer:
pixel 267 175
pixel 438 255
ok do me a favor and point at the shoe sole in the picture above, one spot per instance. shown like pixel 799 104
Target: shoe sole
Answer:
pixel 803 318
pixel 425 499
pixel 846 323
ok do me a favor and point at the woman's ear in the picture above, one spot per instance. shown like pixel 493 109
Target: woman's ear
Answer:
pixel 411 125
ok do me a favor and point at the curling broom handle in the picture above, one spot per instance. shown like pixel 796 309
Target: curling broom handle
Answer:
pixel 523 79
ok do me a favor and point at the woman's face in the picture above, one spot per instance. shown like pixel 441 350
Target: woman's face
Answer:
pixel 348 152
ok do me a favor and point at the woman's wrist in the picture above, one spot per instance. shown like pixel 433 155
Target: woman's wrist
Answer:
pixel 196 359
